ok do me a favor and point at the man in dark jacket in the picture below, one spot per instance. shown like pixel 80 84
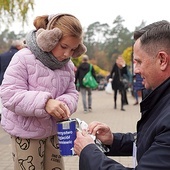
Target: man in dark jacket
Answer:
pixel 151 147
pixel 80 73
pixel 6 57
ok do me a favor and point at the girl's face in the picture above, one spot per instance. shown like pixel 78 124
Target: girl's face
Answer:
pixel 65 47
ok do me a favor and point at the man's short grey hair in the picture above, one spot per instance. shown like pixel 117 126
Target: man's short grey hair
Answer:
pixel 16 43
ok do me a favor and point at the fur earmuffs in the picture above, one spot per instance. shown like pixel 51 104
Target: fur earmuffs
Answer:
pixel 81 49
pixel 47 39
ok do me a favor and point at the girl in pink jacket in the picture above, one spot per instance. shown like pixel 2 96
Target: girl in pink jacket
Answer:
pixel 38 90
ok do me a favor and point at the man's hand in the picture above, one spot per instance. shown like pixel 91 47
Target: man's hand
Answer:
pixel 83 139
pixel 101 131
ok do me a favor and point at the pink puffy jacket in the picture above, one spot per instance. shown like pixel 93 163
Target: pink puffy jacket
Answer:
pixel 26 87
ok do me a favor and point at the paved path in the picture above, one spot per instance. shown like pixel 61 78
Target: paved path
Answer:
pixel 119 121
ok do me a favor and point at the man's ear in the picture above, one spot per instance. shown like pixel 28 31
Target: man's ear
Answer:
pixel 81 49
pixel 163 60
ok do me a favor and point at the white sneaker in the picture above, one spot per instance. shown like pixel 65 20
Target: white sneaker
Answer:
pixel 85 112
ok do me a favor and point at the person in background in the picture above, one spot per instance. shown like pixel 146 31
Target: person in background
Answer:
pixel 118 72
pixel 137 87
pixel 151 144
pixel 86 92
pixel 6 57
pixel 38 90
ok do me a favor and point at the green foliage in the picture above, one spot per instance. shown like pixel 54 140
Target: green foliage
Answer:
pixel 76 61
pixel 127 55
pixel 100 71
pixel 12 10
pixel 105 43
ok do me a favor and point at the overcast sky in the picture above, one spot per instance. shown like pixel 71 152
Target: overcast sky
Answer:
pixel 105 11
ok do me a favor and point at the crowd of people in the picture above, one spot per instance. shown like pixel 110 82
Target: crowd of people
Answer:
pixel 45 72
pixel 120 82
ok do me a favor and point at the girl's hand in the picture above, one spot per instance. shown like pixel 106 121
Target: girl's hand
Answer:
pixel 57 109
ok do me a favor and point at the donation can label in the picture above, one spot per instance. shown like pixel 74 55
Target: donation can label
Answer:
pixel 66 131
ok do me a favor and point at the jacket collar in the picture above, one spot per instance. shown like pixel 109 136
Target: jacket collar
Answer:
pixel 151 100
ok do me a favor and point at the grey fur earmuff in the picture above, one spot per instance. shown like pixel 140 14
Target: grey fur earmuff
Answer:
pixel 48 39
pixel 81 49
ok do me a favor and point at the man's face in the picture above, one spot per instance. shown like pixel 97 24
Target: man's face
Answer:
pixel 146 66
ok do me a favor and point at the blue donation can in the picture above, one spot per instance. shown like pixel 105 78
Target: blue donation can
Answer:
pixel 66 131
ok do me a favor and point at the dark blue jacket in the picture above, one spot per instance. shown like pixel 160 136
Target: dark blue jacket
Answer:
pixel 137 84
pixel 153 138
pixel 5 59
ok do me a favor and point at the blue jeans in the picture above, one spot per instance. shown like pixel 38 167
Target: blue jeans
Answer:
pixel 136 95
